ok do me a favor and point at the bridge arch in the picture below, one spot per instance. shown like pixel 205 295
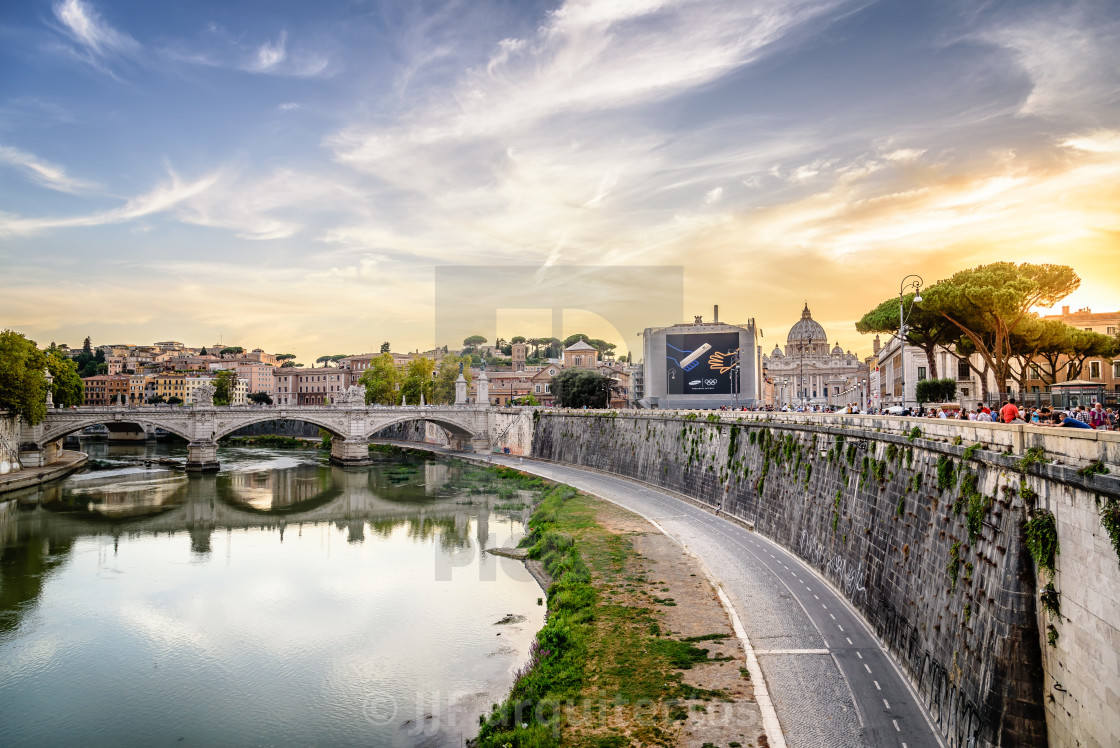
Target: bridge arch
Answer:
pixel 336 428
pixel 453 426
pixel 72 425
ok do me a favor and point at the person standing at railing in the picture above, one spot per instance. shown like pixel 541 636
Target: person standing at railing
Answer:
pixel 1097 418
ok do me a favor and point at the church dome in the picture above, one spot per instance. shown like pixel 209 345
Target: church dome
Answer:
pixel 837 351
pixel 777 353
pixel 807 328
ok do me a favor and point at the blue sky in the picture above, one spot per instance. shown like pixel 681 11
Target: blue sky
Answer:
pixel 290 174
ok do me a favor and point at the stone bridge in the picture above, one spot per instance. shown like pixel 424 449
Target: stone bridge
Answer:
pixel 351 424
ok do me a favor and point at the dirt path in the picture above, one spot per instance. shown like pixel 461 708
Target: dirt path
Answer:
pixel 671 584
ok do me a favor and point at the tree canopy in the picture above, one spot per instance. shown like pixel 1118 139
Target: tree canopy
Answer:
pixel 443 389
pixel 474 340
pixel 380 380
pixel 577 388
pixel 23 385
pixel 232 350
pixel 417 380
pixel 989 303
pixel 67 387
pixel 224 383
pixel 924 328
pixel 285 356
pixel 261 398
pixel 385 347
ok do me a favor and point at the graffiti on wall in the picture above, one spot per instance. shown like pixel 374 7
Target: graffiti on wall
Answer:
pixel 847 575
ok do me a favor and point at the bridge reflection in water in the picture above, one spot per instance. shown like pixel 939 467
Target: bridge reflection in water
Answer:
pixel 127 588
pixel 421 495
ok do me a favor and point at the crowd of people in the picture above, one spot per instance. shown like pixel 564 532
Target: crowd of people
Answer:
pixel 1079 417
pixel 1076 417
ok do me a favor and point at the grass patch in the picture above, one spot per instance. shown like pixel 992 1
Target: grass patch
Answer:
pixel 602 647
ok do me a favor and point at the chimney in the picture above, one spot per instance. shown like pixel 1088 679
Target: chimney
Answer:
pixel 1065 310
pixel 715 314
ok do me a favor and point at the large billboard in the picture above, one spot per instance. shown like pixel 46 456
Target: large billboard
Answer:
pixel 702 363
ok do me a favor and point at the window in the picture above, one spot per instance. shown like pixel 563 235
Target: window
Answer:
pixel 964 392
pixel 963 372
pixel 1094 370
pixel 921 373
pixel 1110 331
pixel 1116 369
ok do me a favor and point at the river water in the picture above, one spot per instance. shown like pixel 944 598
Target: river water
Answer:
pixel 281 601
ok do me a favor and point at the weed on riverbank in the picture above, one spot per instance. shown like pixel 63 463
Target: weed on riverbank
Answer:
pixel 603 670
pixel 270 440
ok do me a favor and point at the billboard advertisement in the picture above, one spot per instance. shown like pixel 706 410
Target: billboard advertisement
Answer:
pixel 701 363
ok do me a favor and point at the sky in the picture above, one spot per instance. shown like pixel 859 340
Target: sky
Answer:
pixel 291 175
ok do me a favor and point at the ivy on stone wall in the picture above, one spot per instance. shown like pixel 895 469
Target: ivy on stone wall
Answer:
pixel 1040 534
pixel 1110 521
pixel 946 473
pixel 953 568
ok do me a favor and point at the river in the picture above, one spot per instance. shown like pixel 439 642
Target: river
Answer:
pixel 281 601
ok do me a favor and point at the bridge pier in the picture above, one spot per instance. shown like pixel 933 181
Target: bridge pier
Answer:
pixel 350 451
pixel 202 457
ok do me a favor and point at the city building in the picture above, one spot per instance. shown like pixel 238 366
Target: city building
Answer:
pixel 519 352
pixel 106 389
pixel 294 386
pixel 258 376
pixel 700 365
pixel 810 372
pixel 581 355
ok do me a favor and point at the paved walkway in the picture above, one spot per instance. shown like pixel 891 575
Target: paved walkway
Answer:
pixel 67 463
pixel 831 682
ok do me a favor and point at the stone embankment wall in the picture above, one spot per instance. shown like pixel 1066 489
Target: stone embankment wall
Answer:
pixel 926 538
pixel 9 443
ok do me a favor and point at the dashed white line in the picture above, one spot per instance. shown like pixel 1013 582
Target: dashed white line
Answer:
pixel 896 727
pixel 816 597
pixel 839 626
pixel 859 655
pixel 877 687
pixel 849 640
pixel 832 616
pixel 887 704
pixel 867 668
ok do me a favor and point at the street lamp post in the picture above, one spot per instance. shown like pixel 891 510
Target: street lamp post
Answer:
pixel 915 284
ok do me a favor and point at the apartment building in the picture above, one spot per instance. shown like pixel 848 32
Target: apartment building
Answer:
pixel 294 386
pixel 105 389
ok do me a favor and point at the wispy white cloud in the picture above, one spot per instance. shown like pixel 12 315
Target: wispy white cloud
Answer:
pixel 1071 52
pixel 43 172
pixel 270 55
pixel 87 28
pixel 589 55
pixel 94 40
pixel 158 200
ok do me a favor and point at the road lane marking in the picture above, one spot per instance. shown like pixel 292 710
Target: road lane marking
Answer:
pixel 896 727
pixel 877 688
pixel 832 616
pixel 849 640
pixel 867 668
pixel 859 655
pixel 887 704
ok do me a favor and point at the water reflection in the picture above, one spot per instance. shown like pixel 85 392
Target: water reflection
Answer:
pixel 311 587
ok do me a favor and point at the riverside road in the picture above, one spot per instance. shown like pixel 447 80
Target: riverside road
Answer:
pixel 830 681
